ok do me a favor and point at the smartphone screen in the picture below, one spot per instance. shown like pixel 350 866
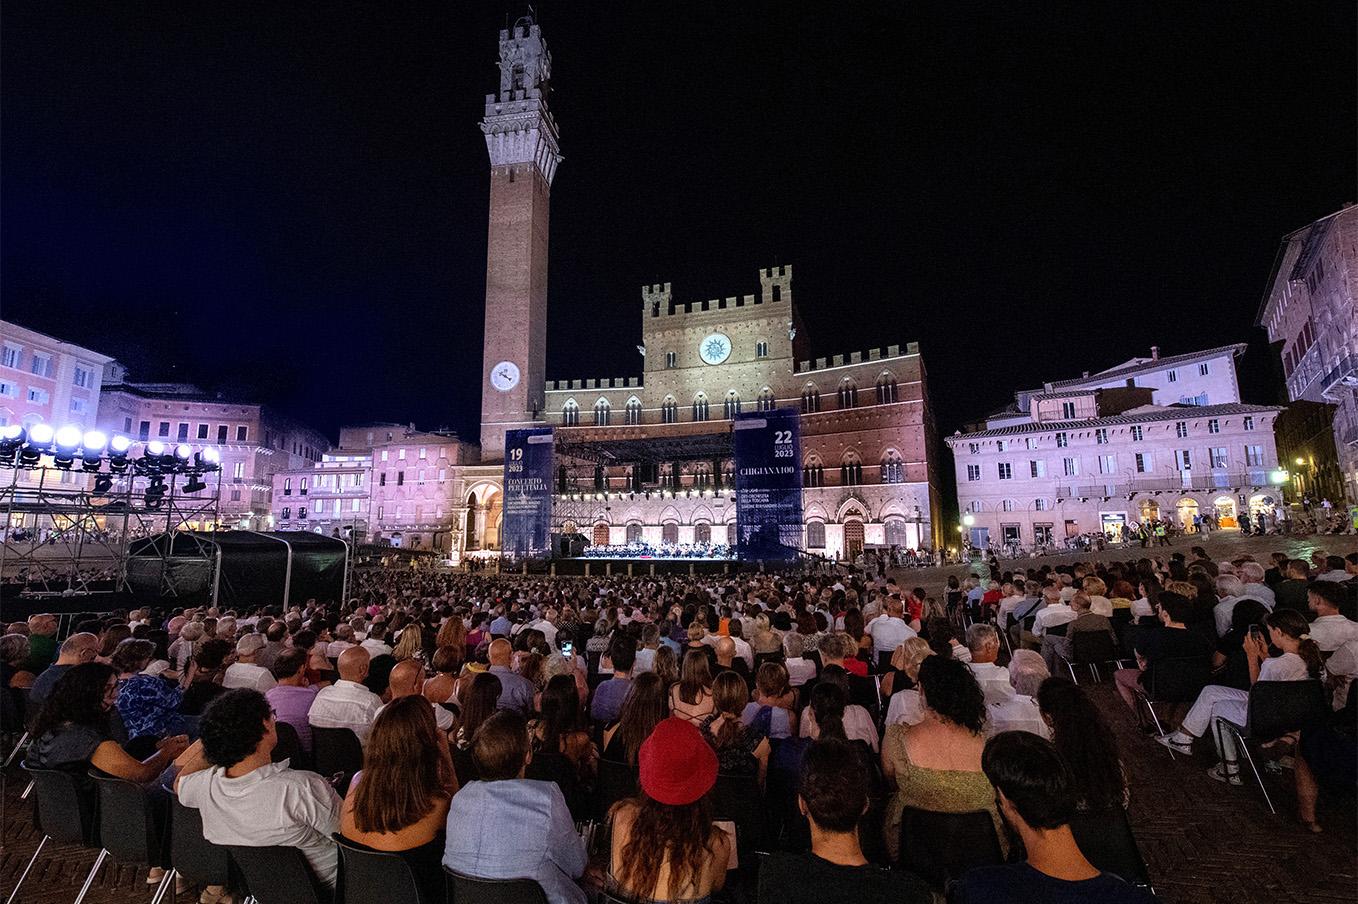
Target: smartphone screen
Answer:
pixel 567 648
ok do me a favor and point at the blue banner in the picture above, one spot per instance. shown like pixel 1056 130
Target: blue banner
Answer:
pixel 526 526
pixel 768 485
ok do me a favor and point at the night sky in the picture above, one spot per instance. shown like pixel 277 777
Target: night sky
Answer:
pixel 288 202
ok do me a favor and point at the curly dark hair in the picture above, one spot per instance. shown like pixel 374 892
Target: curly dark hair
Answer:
pixel 233 725
pixel 951 691
pixel 76 699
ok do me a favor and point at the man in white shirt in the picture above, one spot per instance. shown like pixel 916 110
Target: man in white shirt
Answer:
pixel 344 639
pixel 889 631
pixel 1013 599
pixel 743 649
pixel 347 703
pixel 1335 570
pixel 1329 630
pixel 984 644
pixel 247 800
pixel 1054 613
pixel 245 672
pixel 1252 573
pixel 407 678
pixel 547 625
pixel 1231 589
pixel 1019 711
pixel 1067 587
pixel 376 641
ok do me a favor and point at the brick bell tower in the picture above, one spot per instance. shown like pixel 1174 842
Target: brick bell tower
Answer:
pixel 521 139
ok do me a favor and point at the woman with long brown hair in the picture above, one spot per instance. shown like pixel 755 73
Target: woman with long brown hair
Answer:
pixel 453 634
pixel 644 707
pixel 399 802
pixel 691 698
pixel 664 846
pixel 740 750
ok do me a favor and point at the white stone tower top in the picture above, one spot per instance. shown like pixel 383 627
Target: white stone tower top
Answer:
pixel 518 126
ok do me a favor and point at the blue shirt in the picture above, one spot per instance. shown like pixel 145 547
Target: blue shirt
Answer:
pixel 500 627
pixel 608 697
pixel 516 691
pixel 43 684
pixel 516 829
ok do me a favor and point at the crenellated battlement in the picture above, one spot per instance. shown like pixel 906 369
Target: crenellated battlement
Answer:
pixel 775 288
pixel 886 353
pixel 600 383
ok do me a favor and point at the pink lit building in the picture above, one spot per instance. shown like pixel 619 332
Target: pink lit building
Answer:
pixel 1151 438
pixel 254 442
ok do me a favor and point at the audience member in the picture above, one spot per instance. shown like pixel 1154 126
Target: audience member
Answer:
pixel 245 671
pixel 292 695
pixel 347 703
pixel 644 708
pixel 1086 743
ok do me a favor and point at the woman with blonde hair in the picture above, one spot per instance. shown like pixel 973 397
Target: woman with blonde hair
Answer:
pixel 453 633
pixel 905 662
pixel 411 644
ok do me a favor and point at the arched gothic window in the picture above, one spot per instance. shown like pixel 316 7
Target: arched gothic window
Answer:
pixel 700 407
pixel 669 411
pixel 851 470
pixel 848 393
pixel 886 389
pixel 602 413
pixel 893 469
pixel 570 414
pixel 732 407
pixel 766 399
pixel 633 411
pixel 813 472
pixel 815 535
pixel 810 399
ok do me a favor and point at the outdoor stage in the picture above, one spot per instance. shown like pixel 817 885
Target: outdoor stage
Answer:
pixel 646 565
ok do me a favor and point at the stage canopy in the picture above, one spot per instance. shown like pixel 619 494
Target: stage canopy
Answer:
pixel 238 568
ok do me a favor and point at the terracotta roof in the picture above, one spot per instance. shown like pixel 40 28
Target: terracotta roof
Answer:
pixel 1142 365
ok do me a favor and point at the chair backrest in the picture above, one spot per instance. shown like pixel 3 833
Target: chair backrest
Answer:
pixel 1093 646
pixel 615 781
pixel 940 847
pixel 367 875
pixel 191 854
pixel 276 875
pixel 1279 707
pixel 471 890
pixel 289 746
pixel 336 750
pixel 66 811
pixel 739 799
pixel 1177 679
pixel 1106 840
pixel 129 829
pixel 1058 630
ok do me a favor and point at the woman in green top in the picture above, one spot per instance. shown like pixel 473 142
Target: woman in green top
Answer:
pixel 936 765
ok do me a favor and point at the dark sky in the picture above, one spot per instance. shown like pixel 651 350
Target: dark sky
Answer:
pixel 289 201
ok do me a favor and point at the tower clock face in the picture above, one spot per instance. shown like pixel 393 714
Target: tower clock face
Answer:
pixel 715 348
pixel 504 376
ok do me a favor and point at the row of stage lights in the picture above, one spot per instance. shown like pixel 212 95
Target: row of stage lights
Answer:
pixel 707 493
pixel 25 448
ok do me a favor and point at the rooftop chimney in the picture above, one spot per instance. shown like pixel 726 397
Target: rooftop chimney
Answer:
pixel 1084 375
pixel 1155 353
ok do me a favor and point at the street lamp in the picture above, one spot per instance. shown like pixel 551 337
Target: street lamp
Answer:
pixel 968 520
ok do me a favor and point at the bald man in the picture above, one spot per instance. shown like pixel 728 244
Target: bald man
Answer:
pixel 347 703
pixel 77 649
pixel 517 691
pixel 407 680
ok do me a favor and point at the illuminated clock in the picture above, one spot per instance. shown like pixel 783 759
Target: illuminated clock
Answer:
pixel 714 348
pixel 504 376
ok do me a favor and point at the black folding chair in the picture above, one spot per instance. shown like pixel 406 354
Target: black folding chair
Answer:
pixel 471 890
pixel 1176 680
pixel 1276 708
pixel 367 875
pixel 278 875
pixel 739 799
pixel 336 753
pixel 940 847
pixel 1106 840
pixel 614 781
pixel 132 826
pixel 191 855
pixel 289 747
pixel 66 814
pixel 1089 648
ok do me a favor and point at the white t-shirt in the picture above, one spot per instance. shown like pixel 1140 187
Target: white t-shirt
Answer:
pixel 1330 632
pixel 857 725
pixel 888 632
pixel 272 806
pixel 1287 667
pixel 247 674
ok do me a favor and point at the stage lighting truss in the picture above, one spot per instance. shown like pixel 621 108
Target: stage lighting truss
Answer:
pixel 68 447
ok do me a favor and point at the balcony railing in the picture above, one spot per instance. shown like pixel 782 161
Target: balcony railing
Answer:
pixel 1344 373
pixel 1218 480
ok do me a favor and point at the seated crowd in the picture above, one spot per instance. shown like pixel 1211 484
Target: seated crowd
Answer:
pixel 655 737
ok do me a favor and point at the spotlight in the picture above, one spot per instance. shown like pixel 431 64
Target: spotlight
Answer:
pixel 155 492
pixel 194 484
pixel 12 437
pixel 118 447
pixel 155 447
pixel 183 452
pixel 92 447
pixel 209 459
pixel 39 441
pixel 103 484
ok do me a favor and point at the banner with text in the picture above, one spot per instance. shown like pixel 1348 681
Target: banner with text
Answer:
pixel 768 486
pixel 526 526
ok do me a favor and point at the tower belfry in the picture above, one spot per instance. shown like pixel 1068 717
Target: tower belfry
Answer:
pixel 521 139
